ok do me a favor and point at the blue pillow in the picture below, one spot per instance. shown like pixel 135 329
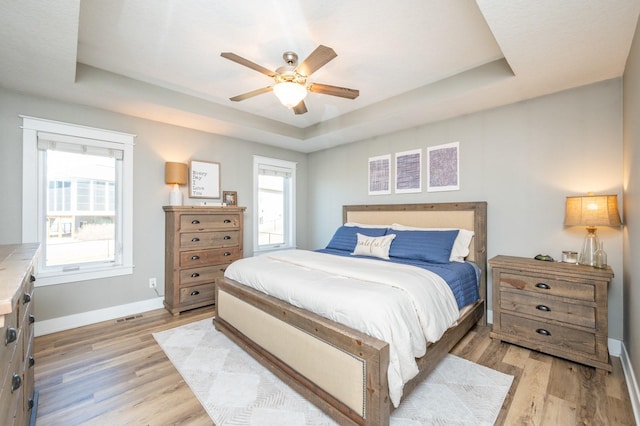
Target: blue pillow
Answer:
pixel 429 246
pixel 346 237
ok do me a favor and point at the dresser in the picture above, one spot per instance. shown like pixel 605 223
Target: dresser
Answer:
pixel 18 398
pixel 556 308
pixel 200 242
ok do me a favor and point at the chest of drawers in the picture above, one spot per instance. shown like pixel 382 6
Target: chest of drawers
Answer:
pixel 18 398
pixel 199 244
pixel 556 308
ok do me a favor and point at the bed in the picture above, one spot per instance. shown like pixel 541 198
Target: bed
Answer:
pixel 342 370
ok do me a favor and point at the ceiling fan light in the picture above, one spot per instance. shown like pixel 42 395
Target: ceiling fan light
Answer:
pixel 290 94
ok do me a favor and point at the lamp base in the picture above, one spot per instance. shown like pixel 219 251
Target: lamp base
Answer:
pixel 175 196
pixel 589 247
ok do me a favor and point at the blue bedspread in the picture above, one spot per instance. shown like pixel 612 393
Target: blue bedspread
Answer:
pixel 462 278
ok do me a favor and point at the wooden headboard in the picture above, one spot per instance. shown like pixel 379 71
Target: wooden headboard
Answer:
pixel 467 215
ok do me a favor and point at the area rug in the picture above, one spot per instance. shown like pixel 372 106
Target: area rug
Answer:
pixel 235 389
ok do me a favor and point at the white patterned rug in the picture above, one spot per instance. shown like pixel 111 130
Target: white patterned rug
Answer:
pixel 236 390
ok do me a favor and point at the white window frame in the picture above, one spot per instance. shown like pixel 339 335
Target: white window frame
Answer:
pixel 290 220
pixel 34 203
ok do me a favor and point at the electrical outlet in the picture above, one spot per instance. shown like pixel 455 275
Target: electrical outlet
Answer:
pixel 153 283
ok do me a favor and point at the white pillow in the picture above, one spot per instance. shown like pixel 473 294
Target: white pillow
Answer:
pixel 373 246
pixel 365 225
pixel 460 249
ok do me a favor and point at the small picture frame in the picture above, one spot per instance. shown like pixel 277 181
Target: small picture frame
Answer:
pixel 230 198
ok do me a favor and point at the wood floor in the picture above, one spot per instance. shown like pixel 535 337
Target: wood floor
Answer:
pixel 114 373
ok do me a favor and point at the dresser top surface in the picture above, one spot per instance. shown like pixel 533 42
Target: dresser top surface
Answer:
pixel 203 209
pixel 540 266
pixel 15 261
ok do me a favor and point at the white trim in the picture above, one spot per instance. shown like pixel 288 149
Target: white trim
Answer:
pixel 632 383
pixel 92 317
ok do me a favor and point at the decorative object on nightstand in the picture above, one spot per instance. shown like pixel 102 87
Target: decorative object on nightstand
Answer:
pixel 591 211
pixel 552 307
pixel 175 174
pixel 200 242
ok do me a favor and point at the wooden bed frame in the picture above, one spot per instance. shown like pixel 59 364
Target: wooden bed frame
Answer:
pixel 339 369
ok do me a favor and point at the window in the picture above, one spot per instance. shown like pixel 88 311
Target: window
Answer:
pixel 274 203
pixel 77 200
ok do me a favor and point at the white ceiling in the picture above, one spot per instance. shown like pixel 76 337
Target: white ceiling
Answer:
pixel 414 61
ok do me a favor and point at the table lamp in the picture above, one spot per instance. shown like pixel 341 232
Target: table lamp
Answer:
pixel 175 174
pixel 591 211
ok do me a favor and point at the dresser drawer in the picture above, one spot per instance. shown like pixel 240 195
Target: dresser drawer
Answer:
pixel 9 401
pixel 207 257
pixel 563 338
pixel 548 286
pixel 197 222
pixel 9 339
pixel 548 308
pixel 209 239
pixel 202 275
pixel 197 294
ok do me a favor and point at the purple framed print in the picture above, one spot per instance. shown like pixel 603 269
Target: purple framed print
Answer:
pixel 443 172
pixel 380 175
pixel 409 171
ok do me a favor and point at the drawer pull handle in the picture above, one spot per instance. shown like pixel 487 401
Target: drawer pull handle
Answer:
pixel 227 221
pixel 543 286
pixel 32 318
pixel 543 332
pixel 195 239
pixel 32 278
pixel 227 253
pixel 30 404
pixel 223 269
pixel 195 222
pixel 26 298
pixel 16 382
pixel 11 336
pixel 195 293
pixel 32 361
pixel 195 275
pixel 195 257
pixel 543 308
pixel 227 237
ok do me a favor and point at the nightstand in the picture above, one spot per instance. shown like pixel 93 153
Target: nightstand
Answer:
pixel 556 308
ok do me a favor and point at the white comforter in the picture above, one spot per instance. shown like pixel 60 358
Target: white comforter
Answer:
pixel 409 307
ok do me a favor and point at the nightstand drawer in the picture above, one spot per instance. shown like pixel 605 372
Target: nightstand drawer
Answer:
pixel 548 308
pixel 548 286
pixel 563 338
pixel 196 294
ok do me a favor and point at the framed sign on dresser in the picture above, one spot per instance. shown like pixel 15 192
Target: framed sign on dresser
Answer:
pixel 200 242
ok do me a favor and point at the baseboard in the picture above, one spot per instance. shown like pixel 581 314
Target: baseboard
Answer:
pixel 85 318
pixel 632 383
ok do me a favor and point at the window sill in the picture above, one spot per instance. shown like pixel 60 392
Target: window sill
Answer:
pixel 53 278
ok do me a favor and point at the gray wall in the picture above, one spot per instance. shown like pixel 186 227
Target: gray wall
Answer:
pixel 155 144
pixel 632 205
pixel 523 159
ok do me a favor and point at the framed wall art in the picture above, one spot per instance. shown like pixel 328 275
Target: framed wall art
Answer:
pixel 409 171
pixel 380 175
pixel 230 198
pixel 443 171
pixel 204 179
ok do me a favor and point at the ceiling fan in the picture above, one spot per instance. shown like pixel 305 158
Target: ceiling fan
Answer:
pixel 290 80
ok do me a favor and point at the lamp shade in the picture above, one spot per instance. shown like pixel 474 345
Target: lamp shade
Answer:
pixel 175 173
pixel 290 94
pixel 592 210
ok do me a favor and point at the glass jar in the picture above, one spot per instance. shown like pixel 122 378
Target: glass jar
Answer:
pixel 600 258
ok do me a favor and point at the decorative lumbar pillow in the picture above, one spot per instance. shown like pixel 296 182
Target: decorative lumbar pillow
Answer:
pixel 345 237
pixel 373 246
pixel 460 249
pixel 429 246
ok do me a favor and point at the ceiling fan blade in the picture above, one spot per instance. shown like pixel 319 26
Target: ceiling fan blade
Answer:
pixel 247 63
pixel 301 108
pixel 326 89
pixel 317 59
pixel 251 94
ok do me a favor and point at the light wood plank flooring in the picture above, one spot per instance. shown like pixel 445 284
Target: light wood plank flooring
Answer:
pixel 114 373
